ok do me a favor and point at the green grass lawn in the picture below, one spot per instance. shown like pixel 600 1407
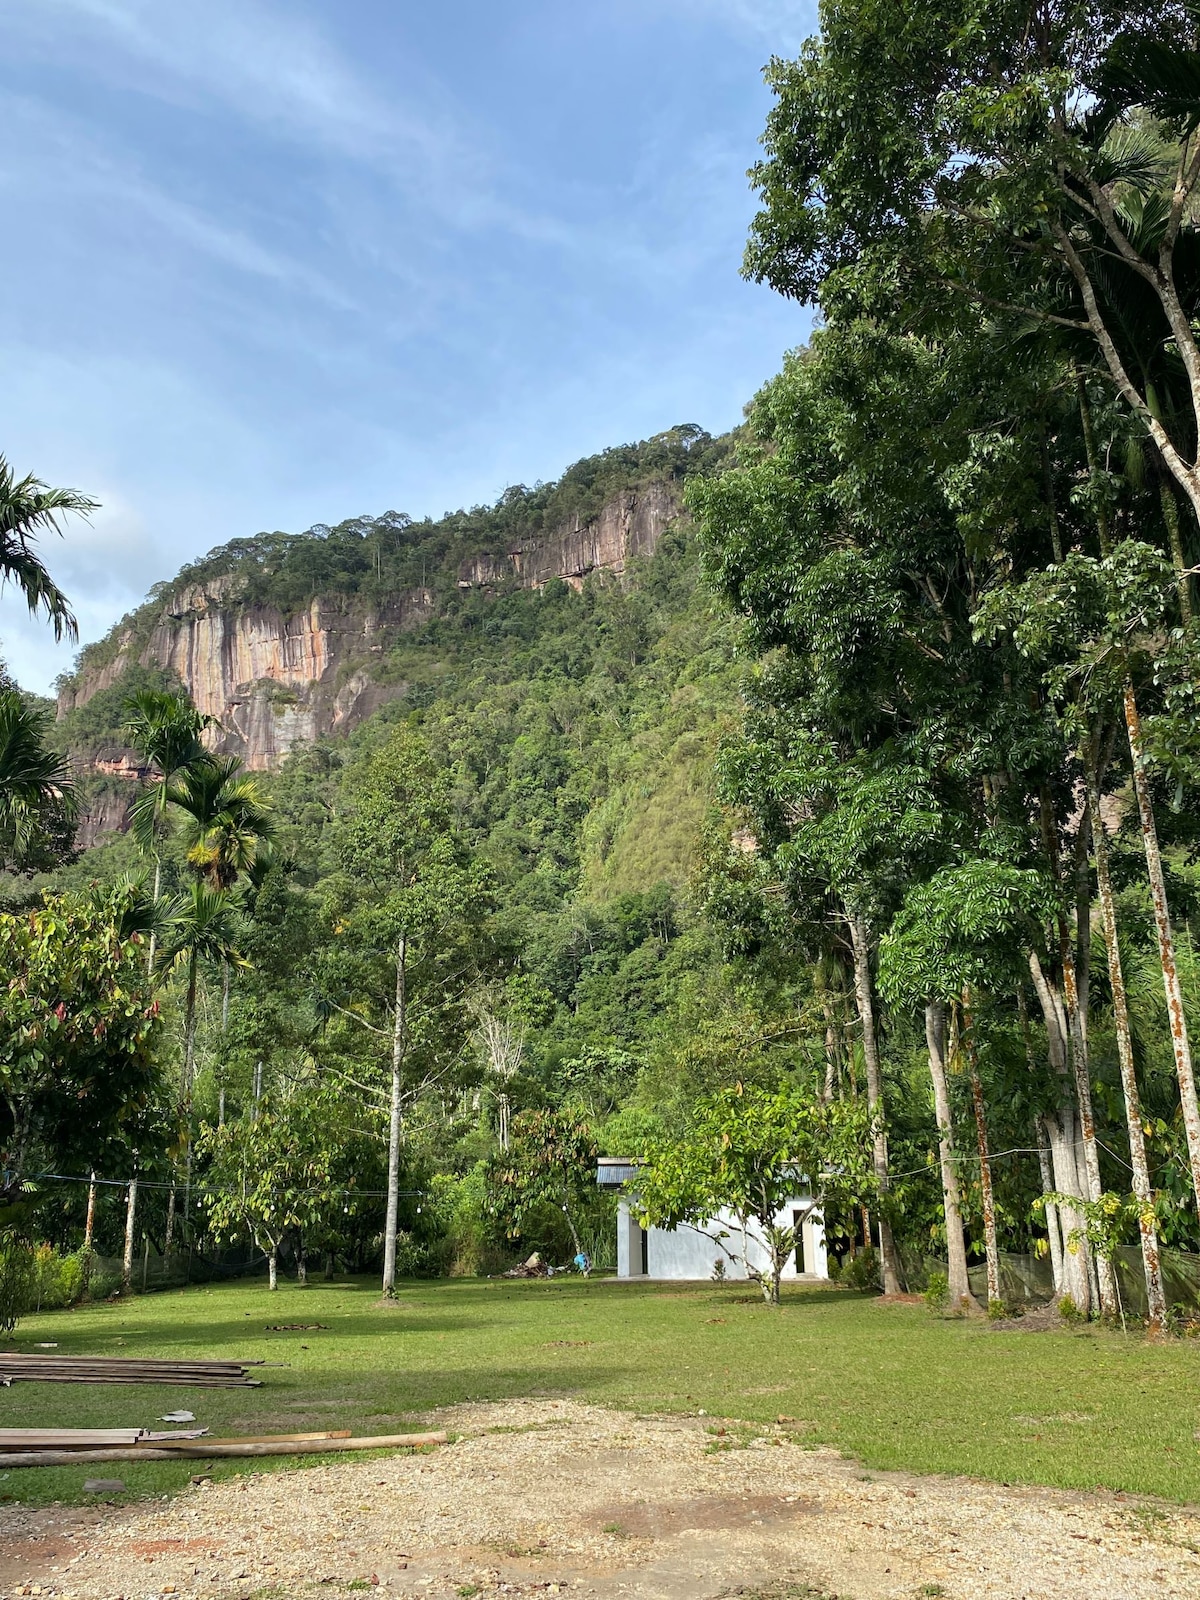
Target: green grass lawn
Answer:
pixel 889 1384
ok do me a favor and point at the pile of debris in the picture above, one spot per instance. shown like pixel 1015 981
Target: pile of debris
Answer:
pixel 534 1267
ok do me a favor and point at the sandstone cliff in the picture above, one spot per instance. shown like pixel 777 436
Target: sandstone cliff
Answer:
pixel 630 525
pixel 276 681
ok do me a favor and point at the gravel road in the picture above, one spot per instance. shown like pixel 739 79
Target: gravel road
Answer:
pixel 539 1497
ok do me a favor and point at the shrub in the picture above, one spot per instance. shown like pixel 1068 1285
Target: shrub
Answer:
pixel 38 1277
pixel 1069 1311
pixel 863 1271
pixel 937 1293
pixel 18 1266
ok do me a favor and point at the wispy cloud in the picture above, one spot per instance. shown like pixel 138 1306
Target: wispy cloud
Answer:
pixel 782 25
pixel 267 64
pixel 60 154
pixel 272 68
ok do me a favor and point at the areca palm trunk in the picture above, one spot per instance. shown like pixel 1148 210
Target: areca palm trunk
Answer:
pixel 153 932
pixel 864 994
pixel 189 1062
pixel 1148 1233
pixel 399 1040
pixel 956 1251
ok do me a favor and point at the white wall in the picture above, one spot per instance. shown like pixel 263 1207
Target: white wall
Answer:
pixel 689 1253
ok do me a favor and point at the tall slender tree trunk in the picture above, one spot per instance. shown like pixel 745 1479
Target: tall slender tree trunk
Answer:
pixel 1105 1279
pixel 990 1243
pixel 1166 939
pixel 1061 1131
pixel 1180 1045
pixel 572 1229
pixel 1075 1041
pixel 1053 1232
pixel 170 1233
pixel 956 1251
pixel 399 1041
pixel 1045 1164
pixel 153 935
pixel 273 1267
pixel 831 1052
pixel 864 994
pixel 189 1067
pixel 1183 583
pixel 127 1257
pixel 1151 1265
pixel 89 1225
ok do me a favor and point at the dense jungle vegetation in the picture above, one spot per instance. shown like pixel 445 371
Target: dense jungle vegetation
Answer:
pixel 854 833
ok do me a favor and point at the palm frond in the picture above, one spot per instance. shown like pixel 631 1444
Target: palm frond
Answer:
pixel 32 777
pixel 229 818
pixel 29 508
pixel 166 729
pixel 1134 156
pixel 201 922
pixel 1160 76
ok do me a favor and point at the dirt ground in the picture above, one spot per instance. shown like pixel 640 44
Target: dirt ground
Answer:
pixel 539 1497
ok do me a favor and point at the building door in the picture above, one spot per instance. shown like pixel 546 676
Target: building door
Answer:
pixel 645 1233
pixel 798 1223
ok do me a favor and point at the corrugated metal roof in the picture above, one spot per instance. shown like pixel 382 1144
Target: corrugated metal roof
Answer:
pixel 613 1172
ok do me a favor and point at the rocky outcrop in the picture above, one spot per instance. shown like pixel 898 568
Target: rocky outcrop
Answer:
pixel 274 682
pixel 106 789
pixel 628 526
pixel 271 681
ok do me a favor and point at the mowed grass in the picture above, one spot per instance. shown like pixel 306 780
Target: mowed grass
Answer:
pixel 886 1383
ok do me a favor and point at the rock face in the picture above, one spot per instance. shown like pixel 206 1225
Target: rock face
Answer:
pixel 630 525
pixel 274 682
pixel 105 805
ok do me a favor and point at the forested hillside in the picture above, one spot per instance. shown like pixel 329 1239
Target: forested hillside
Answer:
pixel 843 830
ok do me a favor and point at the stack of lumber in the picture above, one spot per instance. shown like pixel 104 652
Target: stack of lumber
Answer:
pixel 125 1369
pixel 64 1447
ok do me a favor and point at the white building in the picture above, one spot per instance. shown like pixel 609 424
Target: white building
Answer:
pixel 692 1251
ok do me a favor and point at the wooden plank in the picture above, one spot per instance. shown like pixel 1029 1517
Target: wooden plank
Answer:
pixel 261 1438
pixel 203 1451
pixel 66 1438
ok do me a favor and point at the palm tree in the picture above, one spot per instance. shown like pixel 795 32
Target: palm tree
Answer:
pixel 33 779
pixel 228 827
pixel 165 730
pixel 229 818
pixel 28 508
pixel 202 927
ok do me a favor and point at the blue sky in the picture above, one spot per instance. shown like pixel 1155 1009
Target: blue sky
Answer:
pixel 286 261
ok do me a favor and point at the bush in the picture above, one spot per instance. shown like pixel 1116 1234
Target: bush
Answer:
pixel 937 1293
pixel 37 1278
pixel 475 1244
pixel 1069 1311
pixel 863 1271
pixel 17 1270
